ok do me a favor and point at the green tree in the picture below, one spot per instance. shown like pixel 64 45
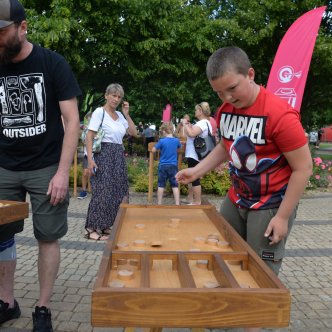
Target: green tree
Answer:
pixel 158 49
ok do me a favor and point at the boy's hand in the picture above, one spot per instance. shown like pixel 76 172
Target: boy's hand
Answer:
pixel 276 230
pixel 185 176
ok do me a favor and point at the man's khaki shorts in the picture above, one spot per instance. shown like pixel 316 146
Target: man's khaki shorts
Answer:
pixel 49 222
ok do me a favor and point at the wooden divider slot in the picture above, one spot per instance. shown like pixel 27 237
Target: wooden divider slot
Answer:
pixel 223 274
pixel 145 271
pixel 185 276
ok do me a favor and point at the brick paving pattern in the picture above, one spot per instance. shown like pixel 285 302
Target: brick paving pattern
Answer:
pixel 306 271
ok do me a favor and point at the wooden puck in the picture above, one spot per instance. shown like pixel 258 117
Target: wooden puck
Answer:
pixel 202 263
pixel 213 236
pixel 175 220
pixel 212 242
pixel 211 284
pixel 133 262
pixel 244 286
pixel 199 240
pixel 125 274
pixel 116 284
pixel 156 243
pixel 140 226
pixel 121 261
pixel 223 244
pixel 121 245
pixel 139 243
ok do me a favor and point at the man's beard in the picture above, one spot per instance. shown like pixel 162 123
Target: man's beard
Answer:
pixel 11 49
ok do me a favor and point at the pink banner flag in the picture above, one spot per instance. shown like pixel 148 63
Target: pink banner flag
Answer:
pixel 167 113
pixel 291 64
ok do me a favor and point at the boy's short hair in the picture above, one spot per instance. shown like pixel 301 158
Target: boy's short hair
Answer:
pixel 167 128
pixel 226 59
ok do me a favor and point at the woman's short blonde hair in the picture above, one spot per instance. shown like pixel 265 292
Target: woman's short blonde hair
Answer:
pixel 204 107
pixel 115 88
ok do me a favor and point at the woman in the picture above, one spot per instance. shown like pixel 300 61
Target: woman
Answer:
pixel 108 170
pixel 201 128
pixel 179 132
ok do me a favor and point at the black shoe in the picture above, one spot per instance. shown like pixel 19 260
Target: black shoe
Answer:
pixel 42 321
pixel 9 313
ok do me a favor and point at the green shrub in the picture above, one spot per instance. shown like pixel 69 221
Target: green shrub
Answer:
pixel 216 182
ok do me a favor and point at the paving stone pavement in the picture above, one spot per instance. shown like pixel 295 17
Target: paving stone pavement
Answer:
pixel 306 271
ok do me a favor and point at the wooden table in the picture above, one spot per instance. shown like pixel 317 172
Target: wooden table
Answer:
pixel 11 211
pixel 171 262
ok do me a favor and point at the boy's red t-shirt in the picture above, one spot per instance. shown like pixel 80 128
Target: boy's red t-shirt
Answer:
pixel 255 138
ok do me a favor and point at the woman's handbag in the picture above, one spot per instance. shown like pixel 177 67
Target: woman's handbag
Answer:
pixel 96 145
pixel 203 146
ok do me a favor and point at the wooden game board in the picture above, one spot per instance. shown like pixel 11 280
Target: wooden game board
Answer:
pixel 183 281
pixel 11 211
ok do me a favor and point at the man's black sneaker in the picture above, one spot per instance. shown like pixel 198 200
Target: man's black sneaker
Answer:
pixel 9 313
pixel 42 321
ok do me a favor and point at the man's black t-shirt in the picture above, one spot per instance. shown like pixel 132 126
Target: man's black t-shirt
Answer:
pixel 31 129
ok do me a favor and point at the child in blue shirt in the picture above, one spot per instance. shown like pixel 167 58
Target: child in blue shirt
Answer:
pixel 168 161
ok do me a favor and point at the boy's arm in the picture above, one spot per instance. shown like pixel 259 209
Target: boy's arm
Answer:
pixel 300 162
pixel 218 155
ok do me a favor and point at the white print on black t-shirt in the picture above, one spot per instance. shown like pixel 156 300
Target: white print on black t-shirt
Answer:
pixel 233 126
pixel 22 105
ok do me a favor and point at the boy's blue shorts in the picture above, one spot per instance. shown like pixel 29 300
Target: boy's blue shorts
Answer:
pixel 167 172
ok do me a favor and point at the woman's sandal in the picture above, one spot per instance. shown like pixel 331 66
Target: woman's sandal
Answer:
pixel 106 231
pixel 100 237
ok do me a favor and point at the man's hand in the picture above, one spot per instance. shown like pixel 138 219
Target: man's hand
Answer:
pixel 58 188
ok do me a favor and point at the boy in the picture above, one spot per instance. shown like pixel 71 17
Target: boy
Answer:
pixel 168 161
pixel 269 158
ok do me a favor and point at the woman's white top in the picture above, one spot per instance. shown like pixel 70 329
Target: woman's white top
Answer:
pixel 114 129
pixel 190 149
